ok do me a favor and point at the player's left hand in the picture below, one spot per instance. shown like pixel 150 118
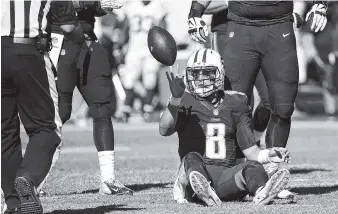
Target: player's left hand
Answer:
pixel 318 13
pixel 109 5
pixel 176 85
pixel 198 29
pixel 279 154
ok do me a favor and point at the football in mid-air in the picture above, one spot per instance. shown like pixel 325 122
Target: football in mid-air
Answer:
pixel 162 45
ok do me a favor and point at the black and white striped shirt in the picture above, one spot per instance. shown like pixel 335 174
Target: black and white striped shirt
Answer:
pixel 29 18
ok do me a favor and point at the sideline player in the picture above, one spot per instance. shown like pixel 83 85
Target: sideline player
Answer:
pixel 89 70
pixel 210 121
pixel 142 16
pixel 261 35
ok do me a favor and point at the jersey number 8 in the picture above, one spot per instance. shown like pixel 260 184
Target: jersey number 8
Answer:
pixel 215 141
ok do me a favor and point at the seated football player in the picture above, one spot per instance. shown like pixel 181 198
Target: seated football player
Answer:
pixel 212 123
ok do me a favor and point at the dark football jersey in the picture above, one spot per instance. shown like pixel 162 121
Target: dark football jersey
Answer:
pixel 260 12
pixel 212 131
pixel 219 22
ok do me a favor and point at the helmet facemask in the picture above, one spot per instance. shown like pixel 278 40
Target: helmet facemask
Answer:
pixel 203 80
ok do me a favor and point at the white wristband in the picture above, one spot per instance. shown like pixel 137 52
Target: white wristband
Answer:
pixel 263 156
pixel 175 101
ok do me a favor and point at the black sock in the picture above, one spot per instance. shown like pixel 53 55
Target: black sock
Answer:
pixel 149 97
pixel 130 95
pixel 278 131
pixel 103 134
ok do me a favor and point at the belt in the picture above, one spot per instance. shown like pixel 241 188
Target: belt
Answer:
pixel 18 40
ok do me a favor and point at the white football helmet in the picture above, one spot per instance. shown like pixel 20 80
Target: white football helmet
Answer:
pixel 205 72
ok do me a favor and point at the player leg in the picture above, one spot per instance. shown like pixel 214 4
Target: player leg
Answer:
pixel 150 69
pixel 129 75
pixel 65 84
pixel 67 74
pixel 199 179
pixel 95 84
pixel 11 151
pixel 249 177
pixel 262 113
pixel 241 60
pixel 38 109
pixel 280 69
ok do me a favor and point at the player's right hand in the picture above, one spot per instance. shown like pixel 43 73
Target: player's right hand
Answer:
pixel 176 84
pixel 279 154
pixel 198 29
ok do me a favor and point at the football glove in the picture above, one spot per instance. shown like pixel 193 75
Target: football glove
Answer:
pixel 279 154
pixel 109 5
pixel 198 29
pixel 318 15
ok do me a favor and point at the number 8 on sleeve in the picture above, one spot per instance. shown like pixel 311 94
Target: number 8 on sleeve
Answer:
pixel 215 141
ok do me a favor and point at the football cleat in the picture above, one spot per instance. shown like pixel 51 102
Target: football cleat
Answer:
pixel 273 186
pixel 285 194
pixel 114 187
pixel 201 187
pixel 180 186
pixel 30 203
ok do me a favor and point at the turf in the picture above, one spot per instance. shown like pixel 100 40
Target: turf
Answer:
pixel 147 163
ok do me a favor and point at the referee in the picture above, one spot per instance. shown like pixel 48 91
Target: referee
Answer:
pixel 28 89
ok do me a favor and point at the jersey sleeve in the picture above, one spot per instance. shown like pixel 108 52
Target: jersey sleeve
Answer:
pixel 241 114
pixel 183 113
pixel 62 13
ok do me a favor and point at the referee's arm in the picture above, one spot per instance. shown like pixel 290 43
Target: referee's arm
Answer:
pixel 63 14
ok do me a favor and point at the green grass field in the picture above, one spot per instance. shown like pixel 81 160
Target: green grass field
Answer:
pixel 147 163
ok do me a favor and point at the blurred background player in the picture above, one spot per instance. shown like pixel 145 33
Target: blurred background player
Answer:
pixel 213 122
pixel 89 70
pixel 320 61
pixel 142 16
pixel 113 34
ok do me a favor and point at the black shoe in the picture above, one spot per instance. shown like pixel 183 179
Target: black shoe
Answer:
pixel 30 203
pixel 13 211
